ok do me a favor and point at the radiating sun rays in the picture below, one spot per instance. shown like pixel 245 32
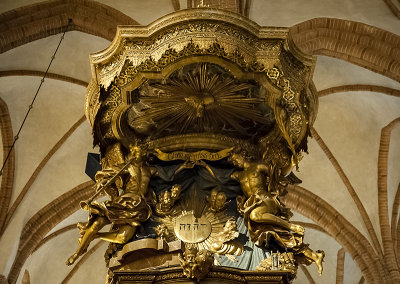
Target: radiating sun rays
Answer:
pixel 195 206
pixel 202 102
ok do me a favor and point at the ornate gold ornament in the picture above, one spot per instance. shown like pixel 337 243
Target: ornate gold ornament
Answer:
pixel 206 101
pixel 201 223
pixel 195 263
pixel 278 261
pixel 200 118
pixel 192 157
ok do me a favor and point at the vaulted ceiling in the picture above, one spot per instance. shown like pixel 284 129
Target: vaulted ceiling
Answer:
pixel 350 196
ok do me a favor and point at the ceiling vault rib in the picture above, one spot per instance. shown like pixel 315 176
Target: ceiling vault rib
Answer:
pixel 311 226
pixel 26 278
pixel 27 23
pixel 54 234
pixel 307 274
pixel 44 220
pixel 351 190
pixel 35 96
pixel 41 73
pixel 393 8
pixel 176 5
pixel 7 180
pixel 315 208
pixel 394 221
pixel 240 7
pixel 361 44
pixel 41 165
pixel 247 8
pixel 359 88
pixel 383 199
pixel 340 266
pixel 397 244
pixel 82 261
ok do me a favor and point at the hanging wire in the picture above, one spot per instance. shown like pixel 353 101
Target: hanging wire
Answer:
pixel 16 137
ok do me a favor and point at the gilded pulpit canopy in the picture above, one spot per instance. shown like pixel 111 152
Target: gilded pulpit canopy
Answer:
pixel 200 118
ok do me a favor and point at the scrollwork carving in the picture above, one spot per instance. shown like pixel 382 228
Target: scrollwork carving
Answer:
pixel 204 109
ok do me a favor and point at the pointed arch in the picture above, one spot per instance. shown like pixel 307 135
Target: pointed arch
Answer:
pixel 315 208
pixel 44 220
pixel 41 74
pixel 38 169
pixel 361 44
pixel 387 241
pixel 7 178
pixel 33 22
pixel 360 88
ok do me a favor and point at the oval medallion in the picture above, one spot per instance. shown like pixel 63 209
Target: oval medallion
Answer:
pixel 192 230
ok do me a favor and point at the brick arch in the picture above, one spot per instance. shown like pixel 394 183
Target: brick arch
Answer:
pixel 35 174
pixel 357 88
pixel 315 208
pixel 29 23
pixel 383 211
pixel 7 179
pixel 340 266
pixel 49 75
pixel 44 220
pixel 360 206
pixel 307 274
pixel 361 44
pixel 82 261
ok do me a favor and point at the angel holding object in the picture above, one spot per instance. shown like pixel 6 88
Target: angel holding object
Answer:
pixel 265 216
pixel 125 211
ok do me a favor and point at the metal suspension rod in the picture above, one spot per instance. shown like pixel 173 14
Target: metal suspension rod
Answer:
pixel 16 137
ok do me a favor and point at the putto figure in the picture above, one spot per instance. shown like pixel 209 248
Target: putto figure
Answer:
pixel 265 216
pixel 216 201
pixel 196 263
pixel 126 211
pixel 167 200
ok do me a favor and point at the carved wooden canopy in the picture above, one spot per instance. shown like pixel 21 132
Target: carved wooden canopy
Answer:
pixel 210 77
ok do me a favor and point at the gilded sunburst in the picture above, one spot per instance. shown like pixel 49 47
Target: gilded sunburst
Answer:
pixel 203 101
pixel 201 225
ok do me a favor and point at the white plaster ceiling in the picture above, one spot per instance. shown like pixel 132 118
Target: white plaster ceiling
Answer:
pixel 350 123
pixel 288 13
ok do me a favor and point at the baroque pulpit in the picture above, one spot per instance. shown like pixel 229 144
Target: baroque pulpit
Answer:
pixel 201 118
